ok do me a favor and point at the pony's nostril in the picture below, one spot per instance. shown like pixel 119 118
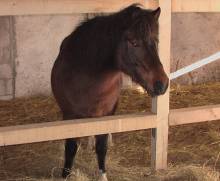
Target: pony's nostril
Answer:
pixel 159 87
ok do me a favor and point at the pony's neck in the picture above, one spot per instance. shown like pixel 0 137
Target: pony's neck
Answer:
pixel 96 50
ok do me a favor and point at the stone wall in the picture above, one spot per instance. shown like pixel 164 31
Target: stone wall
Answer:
pixel 30 44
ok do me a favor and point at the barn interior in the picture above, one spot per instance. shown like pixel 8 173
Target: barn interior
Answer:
pixel 26 98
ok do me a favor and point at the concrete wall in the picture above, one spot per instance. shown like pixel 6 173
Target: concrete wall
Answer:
pixel 6 58
pixel 38 39
pixel 30 44
pixel 195 36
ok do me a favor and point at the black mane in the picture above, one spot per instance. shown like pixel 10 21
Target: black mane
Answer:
pixel 98 37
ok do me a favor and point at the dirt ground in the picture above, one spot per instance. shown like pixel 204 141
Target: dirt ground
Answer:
pixel 193 155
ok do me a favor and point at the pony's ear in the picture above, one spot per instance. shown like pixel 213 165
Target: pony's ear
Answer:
pixel 156 13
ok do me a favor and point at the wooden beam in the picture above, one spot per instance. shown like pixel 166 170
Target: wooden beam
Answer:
pixel 38 7
pixel 74 128
pixel 160 105
pixel 194 115
pixel 195 6
pixel 87 127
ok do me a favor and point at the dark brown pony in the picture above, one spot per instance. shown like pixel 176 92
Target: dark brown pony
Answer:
pixel 86 77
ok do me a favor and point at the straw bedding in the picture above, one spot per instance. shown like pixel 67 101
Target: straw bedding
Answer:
pixel 194 150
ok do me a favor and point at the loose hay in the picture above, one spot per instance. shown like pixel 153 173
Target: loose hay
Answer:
pixel 193 149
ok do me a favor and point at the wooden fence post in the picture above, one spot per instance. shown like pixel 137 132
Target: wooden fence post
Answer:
pixel 160 105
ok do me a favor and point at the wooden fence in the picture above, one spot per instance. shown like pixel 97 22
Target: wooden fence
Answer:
pixel 161 117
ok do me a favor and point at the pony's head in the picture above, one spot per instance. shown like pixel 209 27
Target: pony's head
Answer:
pixel 137 53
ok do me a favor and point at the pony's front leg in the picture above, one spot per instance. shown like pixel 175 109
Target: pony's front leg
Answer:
pixel 91 142
pixel 71 148
pixel 101 150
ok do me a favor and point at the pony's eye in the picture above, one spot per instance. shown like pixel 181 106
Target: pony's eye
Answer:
pixel 133 43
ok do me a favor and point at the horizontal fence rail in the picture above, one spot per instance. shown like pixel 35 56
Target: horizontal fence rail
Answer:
pixel 195 5
pixel 194 115
pixel 74 128
pixel 39 7
pixel 58 130
pixel 36 7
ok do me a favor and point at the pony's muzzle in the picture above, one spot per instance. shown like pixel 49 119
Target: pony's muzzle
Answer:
pixel 160 87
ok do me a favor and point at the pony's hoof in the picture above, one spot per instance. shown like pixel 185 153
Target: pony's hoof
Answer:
pixel 65 173
pixel 103 177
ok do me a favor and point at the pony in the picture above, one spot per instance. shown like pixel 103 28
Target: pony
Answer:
pixel 86 76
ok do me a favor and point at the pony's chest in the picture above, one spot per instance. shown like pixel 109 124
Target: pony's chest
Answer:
pixel 94 96
pixel 105 97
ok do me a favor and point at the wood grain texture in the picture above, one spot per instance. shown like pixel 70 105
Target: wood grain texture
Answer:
pixel 194 115
pixel 160 105
pixel 39 7
pixel 74 128
pixel 195 6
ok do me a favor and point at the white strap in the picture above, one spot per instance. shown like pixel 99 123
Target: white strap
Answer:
pixel 194 66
